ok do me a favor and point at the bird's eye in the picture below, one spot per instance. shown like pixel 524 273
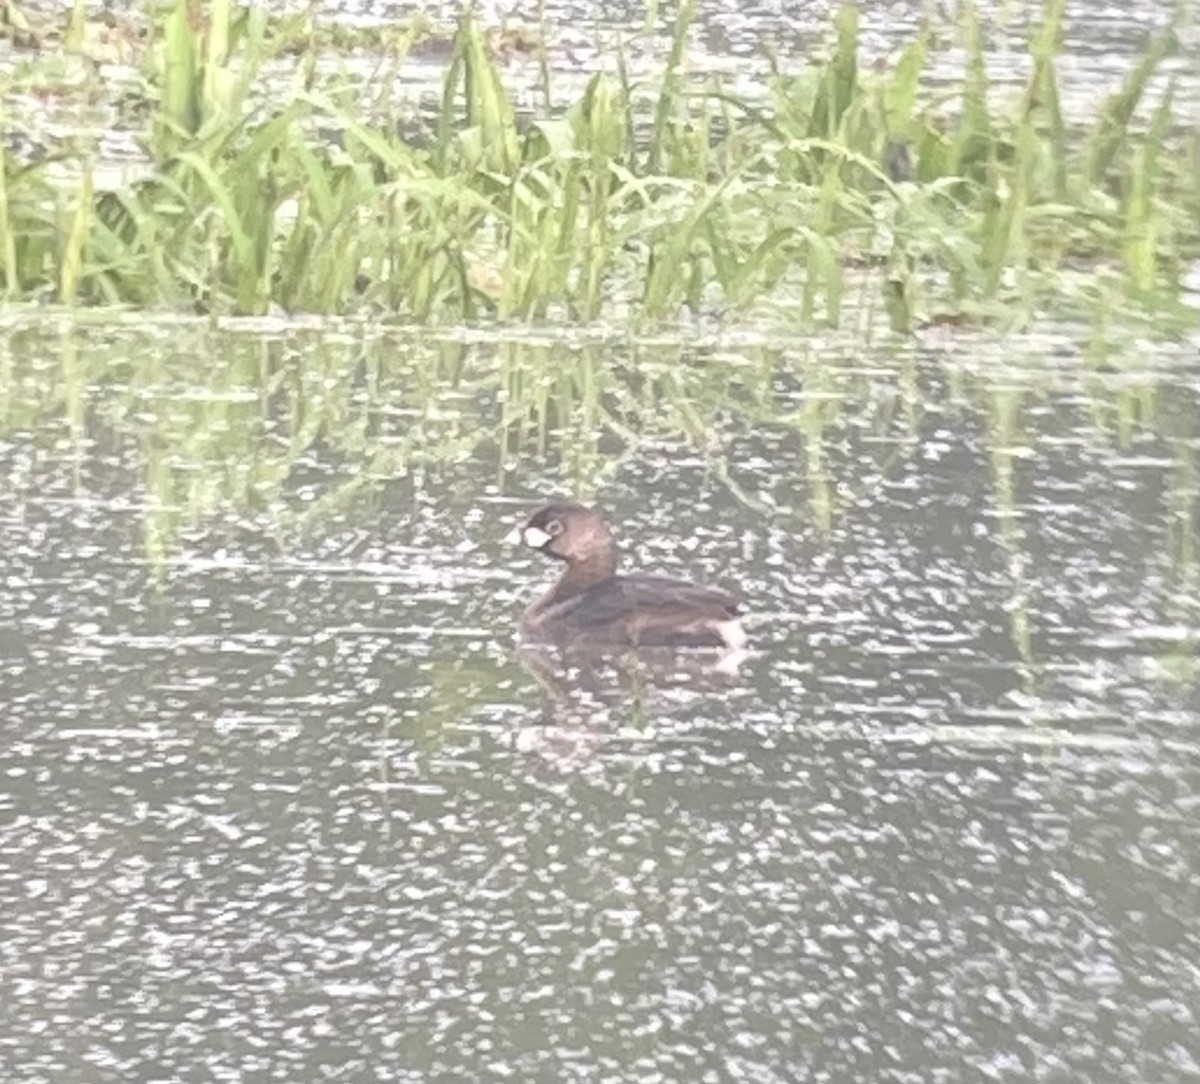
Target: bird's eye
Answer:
pixel 554 527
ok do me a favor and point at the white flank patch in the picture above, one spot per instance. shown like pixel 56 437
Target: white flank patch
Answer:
pixel 731 632
pixel 536 537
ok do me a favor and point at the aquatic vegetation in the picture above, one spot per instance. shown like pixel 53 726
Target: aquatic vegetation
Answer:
pixel 635 200
pixel 235 438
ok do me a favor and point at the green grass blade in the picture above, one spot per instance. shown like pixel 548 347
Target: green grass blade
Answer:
pixel 1111 130
pixel 669 95
pixel 72 265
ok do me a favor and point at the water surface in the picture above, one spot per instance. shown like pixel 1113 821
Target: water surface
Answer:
pixel 280 800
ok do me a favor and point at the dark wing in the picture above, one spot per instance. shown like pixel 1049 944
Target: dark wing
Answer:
pixel 653 610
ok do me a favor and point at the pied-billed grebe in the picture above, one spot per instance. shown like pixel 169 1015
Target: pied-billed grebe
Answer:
pixel 591 604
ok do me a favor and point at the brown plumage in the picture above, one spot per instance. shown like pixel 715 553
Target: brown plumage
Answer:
pixel 592 604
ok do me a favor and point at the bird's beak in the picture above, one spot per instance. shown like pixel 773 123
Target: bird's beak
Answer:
pixel 534 537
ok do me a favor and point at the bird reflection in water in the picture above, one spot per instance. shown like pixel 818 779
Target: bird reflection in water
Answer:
pixel 588 695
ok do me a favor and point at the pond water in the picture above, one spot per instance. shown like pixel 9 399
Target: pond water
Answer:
pixel 280 800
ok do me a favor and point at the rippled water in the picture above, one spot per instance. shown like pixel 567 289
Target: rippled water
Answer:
pixel 280 801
